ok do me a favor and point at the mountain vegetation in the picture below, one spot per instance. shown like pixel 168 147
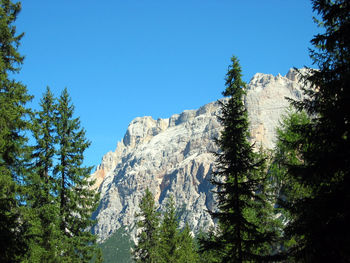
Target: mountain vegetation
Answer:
pixel 294 207
pixel 244 232
pixel 291 205
pixel 13 140
pixel 117 248
pixel 46 199
pixel 315 151
pixel 159 238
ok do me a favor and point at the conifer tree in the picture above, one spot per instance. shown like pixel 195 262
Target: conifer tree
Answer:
pixel 44 133
pixel 169 234
pixel 321 218
pixel 76 199
pixel 41 202
pixel 187 252
pixel 99 256
pixel 147 249
pixel 13 123
pixel 208 247
pixel 242 236
pixel 175 245
pixel 288 153
pixel 286 188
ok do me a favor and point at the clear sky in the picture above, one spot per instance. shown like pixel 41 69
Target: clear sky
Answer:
pixel 123 59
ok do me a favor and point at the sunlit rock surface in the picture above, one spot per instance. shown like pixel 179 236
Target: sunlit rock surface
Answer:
pixel 174 156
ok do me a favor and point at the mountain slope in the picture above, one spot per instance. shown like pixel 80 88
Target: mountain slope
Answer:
pixel 174 156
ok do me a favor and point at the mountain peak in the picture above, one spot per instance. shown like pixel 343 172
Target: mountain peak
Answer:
pixel 173 156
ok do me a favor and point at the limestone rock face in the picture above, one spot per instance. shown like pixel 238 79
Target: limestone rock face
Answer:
pixel 266 102
pixel 174 157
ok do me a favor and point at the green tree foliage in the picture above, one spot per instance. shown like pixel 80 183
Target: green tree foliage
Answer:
pixel 162 242
pixel 187 249
pixel 287 189
pixel 41 201
pixel 44 210
pixel 320 219
pixel 76 199
pixel 288 153
pixel 13 124
pixel 117 247
pixel 209 240
pixel 99 257
pixel 175 245
pixel 147 249
pixel 59 202
pixel 243 233
pixel 169 234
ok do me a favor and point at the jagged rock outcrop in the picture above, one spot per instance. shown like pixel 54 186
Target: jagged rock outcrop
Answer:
pixel 174 156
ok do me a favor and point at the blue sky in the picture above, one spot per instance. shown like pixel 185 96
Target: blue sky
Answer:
pixel 124 59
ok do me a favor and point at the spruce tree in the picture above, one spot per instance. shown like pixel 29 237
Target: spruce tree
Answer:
pixel 175 245
pixel 13 124
pixel 41 201
pixel 187 252
pixel 239 179
pixel 76 199
pixel 208 247
pixel 44 133
pixel 147 248
pixel 169 234
pixel 321 218
pixel 287 189
pixel 99 256
pixel 288 153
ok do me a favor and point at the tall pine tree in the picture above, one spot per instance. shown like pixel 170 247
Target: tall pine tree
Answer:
pixel 208 248
pixel 321 218
pixel 147 249
pixel 13 124
pixel 169 234
pixel 242 235
pixel 41 199
pixel 287 188
pixel 187 252
pixel 77 200
pixel 175 245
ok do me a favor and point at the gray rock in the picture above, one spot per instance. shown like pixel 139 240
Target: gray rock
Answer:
pixel 174 157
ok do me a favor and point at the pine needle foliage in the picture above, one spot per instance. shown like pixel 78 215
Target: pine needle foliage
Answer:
pixel 147 249
pixel 59 199
pixel 169 233
pixel 45 205
pixel 242 235
pixel 175 245
pixel 42 209
pixel 77 201
pixel 320 219
pixel 159 238
pixel 13 125
pixel 187 247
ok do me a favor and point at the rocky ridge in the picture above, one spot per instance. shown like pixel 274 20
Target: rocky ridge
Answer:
pixel 174 156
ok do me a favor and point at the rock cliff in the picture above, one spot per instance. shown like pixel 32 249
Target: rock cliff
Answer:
pixel 174 156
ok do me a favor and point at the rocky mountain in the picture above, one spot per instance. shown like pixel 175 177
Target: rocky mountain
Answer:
pixel 174 157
